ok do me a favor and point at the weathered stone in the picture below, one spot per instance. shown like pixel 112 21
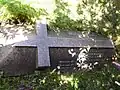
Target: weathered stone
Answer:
pixel 62 39
pixel 74 59
pixel 18 60
pixel 68 59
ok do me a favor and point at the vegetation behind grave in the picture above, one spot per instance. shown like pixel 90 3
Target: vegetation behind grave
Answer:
pixel 101 16
pixel 16 12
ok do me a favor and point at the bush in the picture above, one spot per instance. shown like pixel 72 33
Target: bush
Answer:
pixel 14 12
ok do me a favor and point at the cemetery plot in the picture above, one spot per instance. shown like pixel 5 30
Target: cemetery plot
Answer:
pixel 95 45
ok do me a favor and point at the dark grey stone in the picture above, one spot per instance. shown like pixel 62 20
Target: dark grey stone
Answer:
pixel 61 39
pixel 19 58
pixel 65 61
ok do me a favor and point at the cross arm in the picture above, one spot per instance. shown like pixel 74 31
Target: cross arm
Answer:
pixel 74 42
pixel 30 42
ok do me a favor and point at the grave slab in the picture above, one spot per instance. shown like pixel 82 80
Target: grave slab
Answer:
pixel 37 50
pixel 43 41
pixel 18 60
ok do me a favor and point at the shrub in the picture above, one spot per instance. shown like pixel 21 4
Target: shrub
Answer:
pixel 15 12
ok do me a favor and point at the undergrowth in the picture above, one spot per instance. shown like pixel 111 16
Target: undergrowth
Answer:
pixel 107 78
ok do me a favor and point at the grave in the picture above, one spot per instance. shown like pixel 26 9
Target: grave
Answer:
pixel 63 51
pixel 93 51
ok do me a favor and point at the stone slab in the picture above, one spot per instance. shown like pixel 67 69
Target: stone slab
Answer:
pixel 43 40
pixel 74 59
pixel 18 60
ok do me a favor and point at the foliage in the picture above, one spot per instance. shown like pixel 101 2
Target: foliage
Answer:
pixel 93 15
pixel 101 16
pixel 50 80
pixel 60 18
pixel 15 12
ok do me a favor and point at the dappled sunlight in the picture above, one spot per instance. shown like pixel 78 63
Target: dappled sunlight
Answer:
pixel 117 42
pixel 71 52
pixel 73 8
pixel 100 16
pixel 89 58
pixel 116 82
pixel 10 33
pixel 82 57
pixel 89 54
pixel 69 79
pixel 48 5
pixel 4 52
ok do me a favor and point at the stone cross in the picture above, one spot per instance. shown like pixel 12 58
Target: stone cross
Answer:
pixel 42 41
